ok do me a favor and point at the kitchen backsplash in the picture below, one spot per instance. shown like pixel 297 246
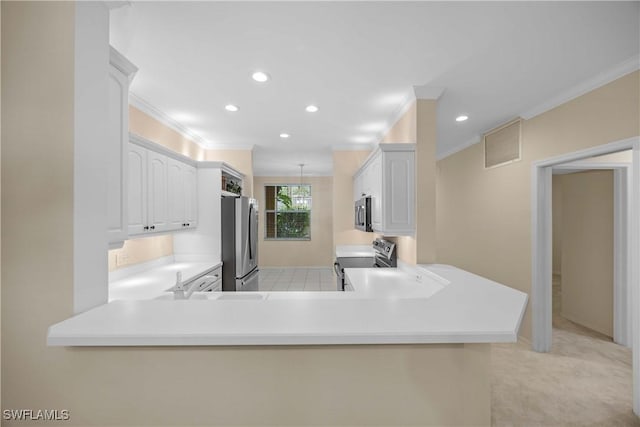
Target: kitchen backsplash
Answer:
pixel 140 250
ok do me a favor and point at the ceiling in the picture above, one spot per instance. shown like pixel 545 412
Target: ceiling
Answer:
pixel 359 63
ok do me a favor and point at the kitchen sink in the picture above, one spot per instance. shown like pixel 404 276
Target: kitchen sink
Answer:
pixel 200 296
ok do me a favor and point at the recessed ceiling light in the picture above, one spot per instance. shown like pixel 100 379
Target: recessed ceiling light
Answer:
pixel 284 135
pixel 260 76
pixel 461 118
pixel 311 108
pixel 231 107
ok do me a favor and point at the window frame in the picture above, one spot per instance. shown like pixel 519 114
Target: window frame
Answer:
pixel 275 212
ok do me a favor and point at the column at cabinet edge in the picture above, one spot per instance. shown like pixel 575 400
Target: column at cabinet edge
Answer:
pixel 120 74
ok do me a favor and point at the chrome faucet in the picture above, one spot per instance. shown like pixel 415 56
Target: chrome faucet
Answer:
pixel 179 290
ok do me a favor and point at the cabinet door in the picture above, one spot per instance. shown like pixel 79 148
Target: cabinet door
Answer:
pixel 190 196
pixel 175 194
pixel 398 181
pixel 157 192
pixel 366 181
pixel 137 193
pixel 375 190
pixel 117 134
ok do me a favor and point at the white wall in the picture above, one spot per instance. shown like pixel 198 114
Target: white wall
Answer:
pixel 90 142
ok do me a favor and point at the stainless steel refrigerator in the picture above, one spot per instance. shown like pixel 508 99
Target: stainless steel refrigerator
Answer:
pixel 239 244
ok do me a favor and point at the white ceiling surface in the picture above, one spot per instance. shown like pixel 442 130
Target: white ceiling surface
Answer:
pixel 358 62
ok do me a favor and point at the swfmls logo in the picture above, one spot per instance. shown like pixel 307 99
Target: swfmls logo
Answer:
pixel 36 415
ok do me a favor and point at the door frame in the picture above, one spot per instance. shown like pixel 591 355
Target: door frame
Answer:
pixel 541 253
pixel 621 256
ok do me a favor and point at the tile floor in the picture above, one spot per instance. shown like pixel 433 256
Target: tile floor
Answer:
pixel 297 279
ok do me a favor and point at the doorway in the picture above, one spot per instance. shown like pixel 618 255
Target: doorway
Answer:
pixel 592 189
pixel 541 287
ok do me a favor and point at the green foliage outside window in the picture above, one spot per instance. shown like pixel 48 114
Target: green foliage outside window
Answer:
pixel 288 212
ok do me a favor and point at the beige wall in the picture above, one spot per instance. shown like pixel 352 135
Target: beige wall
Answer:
pixel 484 216
pixel 587 249
pixel 317 252
pixel 405 128
pixel 345 164
pixel 146 126
pixel 140 250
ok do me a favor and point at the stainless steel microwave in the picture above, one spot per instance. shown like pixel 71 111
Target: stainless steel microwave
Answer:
pixel 362 214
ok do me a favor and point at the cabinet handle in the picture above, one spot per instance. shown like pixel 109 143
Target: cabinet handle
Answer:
pixel 188 224
pixel 146 227
pixel 153 227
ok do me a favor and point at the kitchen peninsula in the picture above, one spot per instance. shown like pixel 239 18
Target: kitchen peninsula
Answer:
pixel 440 320
pixel 410 305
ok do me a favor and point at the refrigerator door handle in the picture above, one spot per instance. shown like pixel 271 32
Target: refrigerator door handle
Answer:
pixel 250 227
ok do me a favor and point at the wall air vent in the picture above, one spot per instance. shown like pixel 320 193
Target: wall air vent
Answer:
pixel 502 145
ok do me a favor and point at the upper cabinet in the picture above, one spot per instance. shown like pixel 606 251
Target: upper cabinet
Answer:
pixel 182 193
pixel 388 177
pixel 162 193
pixel 121 72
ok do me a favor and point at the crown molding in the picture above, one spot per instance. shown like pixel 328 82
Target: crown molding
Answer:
pixel 144 106
pixel 630 65
pixel 167 120
pixel 405 105
pixel 622 69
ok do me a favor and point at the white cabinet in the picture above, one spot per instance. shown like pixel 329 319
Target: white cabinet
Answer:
pixel 137 200
pixel 157 194
pixel 182 195
pixel 162 189
pixel 388 177
pixel 190 174
pixel 120 74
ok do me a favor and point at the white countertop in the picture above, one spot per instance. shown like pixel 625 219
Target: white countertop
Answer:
pixel 354 251
pixel 388 306
pixel 151 283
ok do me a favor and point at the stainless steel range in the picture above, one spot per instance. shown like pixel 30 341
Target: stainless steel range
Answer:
pixel 384 256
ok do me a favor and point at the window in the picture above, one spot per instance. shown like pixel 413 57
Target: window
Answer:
pixel 287 212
